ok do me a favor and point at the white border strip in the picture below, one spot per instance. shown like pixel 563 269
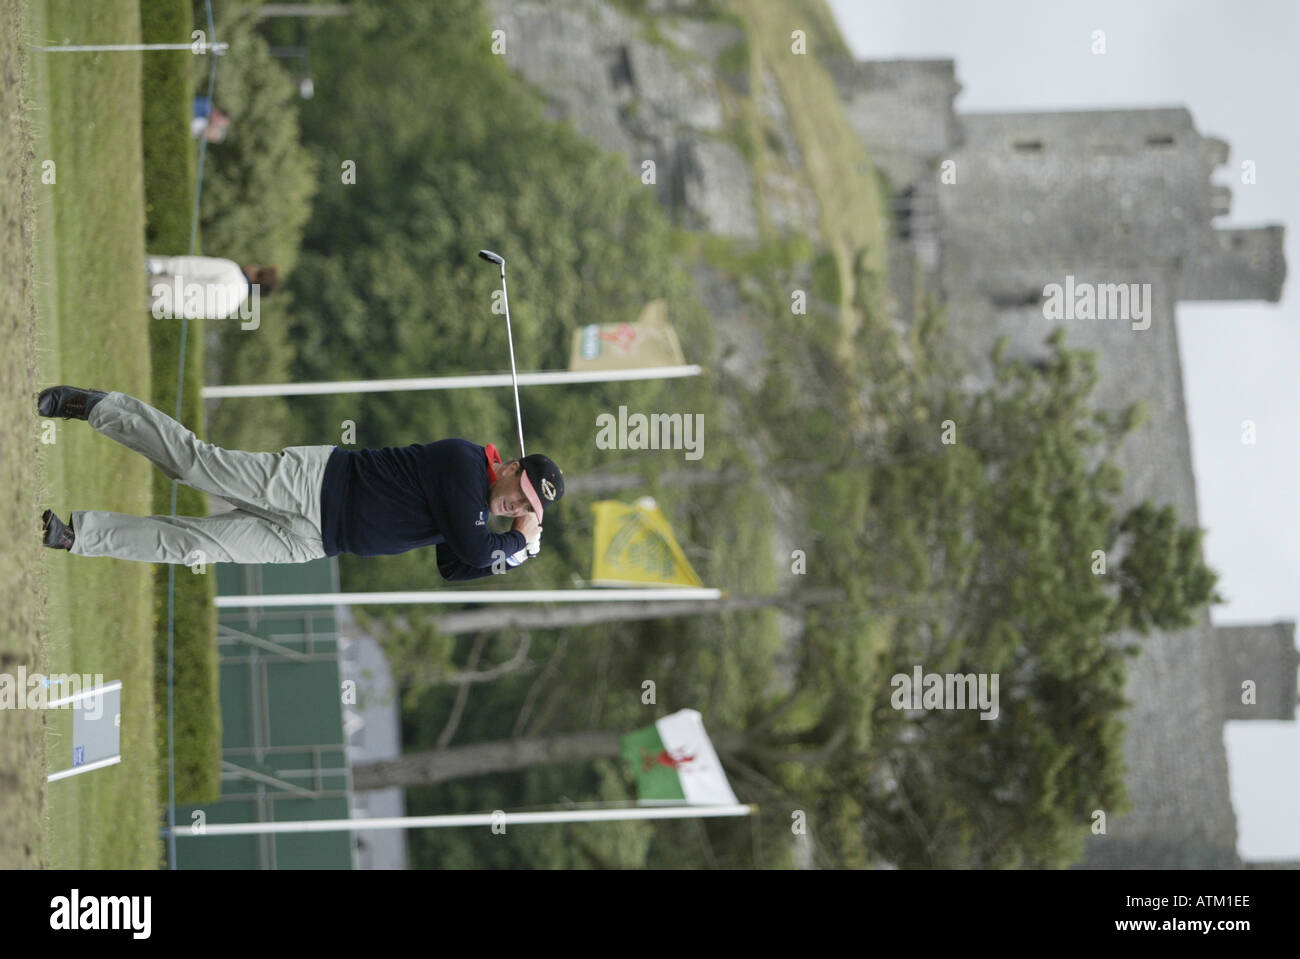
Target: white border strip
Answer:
pixel 88 767
pixel 543 378
pixel 134 47
pixel 85 694
pixel 473 819
pixel 474 596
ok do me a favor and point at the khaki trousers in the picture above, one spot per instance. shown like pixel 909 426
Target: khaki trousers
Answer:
pixel 276 496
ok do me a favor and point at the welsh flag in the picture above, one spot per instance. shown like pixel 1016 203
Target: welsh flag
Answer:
pixel 674 762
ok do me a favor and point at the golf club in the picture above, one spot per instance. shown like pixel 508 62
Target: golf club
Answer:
pixel 519 419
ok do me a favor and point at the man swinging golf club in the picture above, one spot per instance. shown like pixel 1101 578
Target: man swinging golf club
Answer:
pixel 307 502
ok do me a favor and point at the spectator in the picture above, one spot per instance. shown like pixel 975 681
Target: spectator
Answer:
pixel 209 121
pixel 225 285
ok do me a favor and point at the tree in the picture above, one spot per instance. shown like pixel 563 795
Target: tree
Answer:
pixel 1004 525
pixel 989 572
pixel 1163 577
pixel 258 184
pixel 257 195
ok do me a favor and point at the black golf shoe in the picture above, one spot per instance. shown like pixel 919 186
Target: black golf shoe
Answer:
pixel 69 402
pixel 55 534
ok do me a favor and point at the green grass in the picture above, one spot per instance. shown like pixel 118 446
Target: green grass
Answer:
pixel 22 747
pixel 93 330
pixel 169 159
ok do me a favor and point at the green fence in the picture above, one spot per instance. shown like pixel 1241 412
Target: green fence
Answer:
pixel 282 746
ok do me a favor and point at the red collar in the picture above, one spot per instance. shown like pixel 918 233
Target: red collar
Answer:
pixel 493 460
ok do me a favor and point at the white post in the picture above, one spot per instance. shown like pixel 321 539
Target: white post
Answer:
pixel 473 819
pixel 136 47
pixel 546 378
pixel 302 10
pixel 84 694
pixel 83 768
pixel 480 596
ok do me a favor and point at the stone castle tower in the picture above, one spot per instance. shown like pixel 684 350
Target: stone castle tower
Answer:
pixel 991 208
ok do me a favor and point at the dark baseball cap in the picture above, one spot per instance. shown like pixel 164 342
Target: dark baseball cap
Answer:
pixel 542 481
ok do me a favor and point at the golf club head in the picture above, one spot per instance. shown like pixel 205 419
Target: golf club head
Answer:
pixel 492 258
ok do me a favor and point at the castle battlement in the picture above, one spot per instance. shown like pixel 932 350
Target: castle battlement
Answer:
pixel 1263 654
pixel 1047 192
pixel 1236 264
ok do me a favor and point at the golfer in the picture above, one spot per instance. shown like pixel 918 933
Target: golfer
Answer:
pixel 306 502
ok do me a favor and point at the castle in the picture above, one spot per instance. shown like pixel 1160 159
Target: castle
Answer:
pixel 992 208
pixel 987 211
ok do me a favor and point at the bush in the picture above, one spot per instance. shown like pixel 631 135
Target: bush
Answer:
pixel 257 193
pixel 169 177
pixel 258 184
pixel 826 278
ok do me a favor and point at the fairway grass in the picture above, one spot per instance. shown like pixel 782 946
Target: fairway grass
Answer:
pixel 93 331
pixel 22 738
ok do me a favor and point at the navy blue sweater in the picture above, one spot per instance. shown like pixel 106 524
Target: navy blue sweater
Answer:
pixel 378 502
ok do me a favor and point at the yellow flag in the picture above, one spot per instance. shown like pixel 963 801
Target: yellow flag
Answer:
pixel 635 546
pixel 650 341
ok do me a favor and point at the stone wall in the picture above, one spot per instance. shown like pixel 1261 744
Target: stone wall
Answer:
pixel 647 101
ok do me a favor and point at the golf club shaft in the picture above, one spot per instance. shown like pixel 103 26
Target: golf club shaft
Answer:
pixel 514 376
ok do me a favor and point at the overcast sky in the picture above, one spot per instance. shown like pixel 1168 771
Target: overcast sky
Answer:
pixel 1235 64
